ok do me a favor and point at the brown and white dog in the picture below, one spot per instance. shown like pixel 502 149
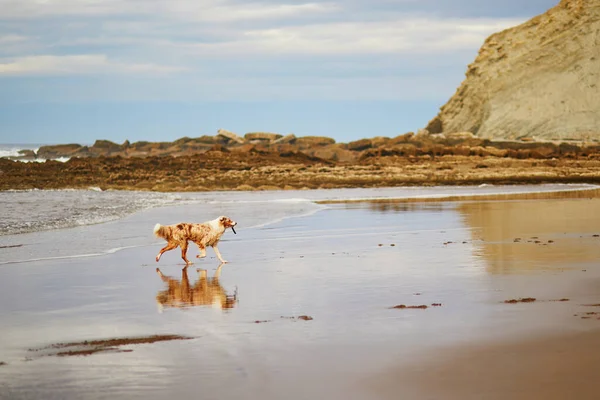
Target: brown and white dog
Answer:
pixel 205 234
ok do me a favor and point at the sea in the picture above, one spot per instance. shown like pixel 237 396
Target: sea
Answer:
pixel 85 223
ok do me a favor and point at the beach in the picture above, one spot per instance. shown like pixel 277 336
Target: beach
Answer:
pixel 327 294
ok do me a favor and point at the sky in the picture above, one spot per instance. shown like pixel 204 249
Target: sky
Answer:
pixel 73 71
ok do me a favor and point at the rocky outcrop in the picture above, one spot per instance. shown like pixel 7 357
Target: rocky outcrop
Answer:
pixel 59 150
pixel 310 141
pixel 262 136
pixel 230 136
pixel 291 138
pixel 360 145
pixel 256 170
pixel 407 145
pixel 540 80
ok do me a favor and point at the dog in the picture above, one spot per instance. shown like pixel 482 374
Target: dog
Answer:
pixel 205 234
pixel 204 292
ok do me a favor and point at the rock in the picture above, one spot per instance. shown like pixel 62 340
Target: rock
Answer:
pixel 458 139
pixel 310 141
pixel 460 136
pixel 360 145
pixel 182 141
pixel 421 134
pixel 105 147
pixel 58 151
pixel 404 138
pixel 244 148
pixel 537 79
pixel 379 141
pixel 206 139
pixel 27 155
pixel 263 136
pixel 230 135
pixel 334 152
pixel 291 138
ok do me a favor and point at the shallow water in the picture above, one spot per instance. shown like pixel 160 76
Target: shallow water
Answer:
pixel 344 265
pixel 33 218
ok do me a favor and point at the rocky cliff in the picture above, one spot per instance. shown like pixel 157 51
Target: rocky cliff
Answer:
pixel 539 79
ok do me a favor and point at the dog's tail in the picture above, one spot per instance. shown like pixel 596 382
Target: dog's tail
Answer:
pixel 161 231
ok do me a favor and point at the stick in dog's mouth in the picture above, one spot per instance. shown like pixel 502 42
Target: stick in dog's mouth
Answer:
pixel 233 229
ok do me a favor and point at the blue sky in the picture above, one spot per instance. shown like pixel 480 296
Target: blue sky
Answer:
pixel 81 70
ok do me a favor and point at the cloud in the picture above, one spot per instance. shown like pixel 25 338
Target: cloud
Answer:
pixel 197 10
pixel 406 35
pixel 242 48
pixel 77 65
pixel 11 39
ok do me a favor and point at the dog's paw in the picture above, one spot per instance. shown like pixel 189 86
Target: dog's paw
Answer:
pixel 200 256
pixel 157 258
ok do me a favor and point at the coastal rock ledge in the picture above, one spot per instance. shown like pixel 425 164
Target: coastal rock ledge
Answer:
pixel 538 80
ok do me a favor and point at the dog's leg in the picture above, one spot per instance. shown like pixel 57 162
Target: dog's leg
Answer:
pixel 202 273
pixel 169 246
pixel 202 249
pixel 184 247
pixel 218 253
pixel 217 274
pixel 164 278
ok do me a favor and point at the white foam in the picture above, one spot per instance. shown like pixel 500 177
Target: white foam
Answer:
pixel 72 256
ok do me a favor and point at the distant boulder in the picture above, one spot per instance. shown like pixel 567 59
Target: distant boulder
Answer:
pixel 58 151
pixel 360 145
pixel 310 141
pixel 379 141
pixel 28 154
pixel 230 136
pixel 332 152
pixel 262 136
pixel 287 139
pixel 105 147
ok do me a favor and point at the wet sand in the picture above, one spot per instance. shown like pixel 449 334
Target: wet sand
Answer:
pixel 305 309
pixel 552 367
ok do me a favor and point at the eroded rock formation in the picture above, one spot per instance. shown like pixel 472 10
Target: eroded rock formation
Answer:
pixel 540 79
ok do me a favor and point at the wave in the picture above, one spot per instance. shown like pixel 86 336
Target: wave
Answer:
pixel 72 256
pixel 13 150
pixel 26 211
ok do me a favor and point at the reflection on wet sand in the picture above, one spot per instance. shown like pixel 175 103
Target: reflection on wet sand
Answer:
pixel 399 207
pixel 204 292
pixel 524 235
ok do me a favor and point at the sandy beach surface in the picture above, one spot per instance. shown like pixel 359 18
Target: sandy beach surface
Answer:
pixel 306 307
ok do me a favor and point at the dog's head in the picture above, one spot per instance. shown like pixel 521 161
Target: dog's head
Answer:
pixel 227 222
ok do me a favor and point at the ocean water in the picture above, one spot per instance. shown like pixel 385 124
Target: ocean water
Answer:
pixel 84 223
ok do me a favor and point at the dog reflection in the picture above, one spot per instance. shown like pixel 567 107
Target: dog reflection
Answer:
pixel 204 292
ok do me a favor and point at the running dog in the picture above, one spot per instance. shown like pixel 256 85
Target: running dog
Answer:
pixel 205 234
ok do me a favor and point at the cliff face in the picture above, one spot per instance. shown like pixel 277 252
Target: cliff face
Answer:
pixel 540 79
